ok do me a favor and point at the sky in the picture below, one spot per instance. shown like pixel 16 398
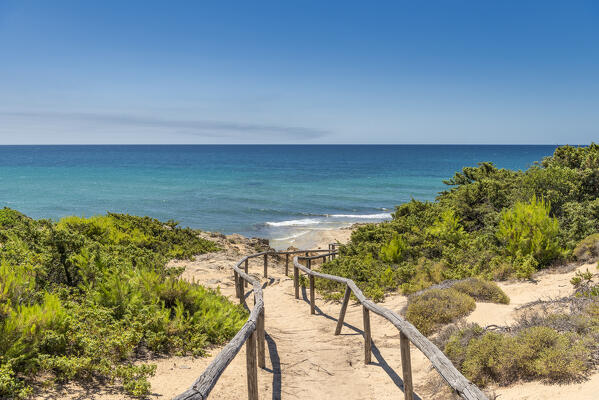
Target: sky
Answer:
pixel 170 72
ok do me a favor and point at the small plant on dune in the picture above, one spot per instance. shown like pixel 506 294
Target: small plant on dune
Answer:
pixel 434 307
pixel 482 290
pixel 584 285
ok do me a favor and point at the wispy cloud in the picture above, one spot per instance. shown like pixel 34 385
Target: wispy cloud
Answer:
pixel 130 122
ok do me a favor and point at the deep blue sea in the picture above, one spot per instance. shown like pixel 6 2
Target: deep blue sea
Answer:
pixel 276 191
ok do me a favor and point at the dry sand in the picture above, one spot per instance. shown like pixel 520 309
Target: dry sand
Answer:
pixel 306 361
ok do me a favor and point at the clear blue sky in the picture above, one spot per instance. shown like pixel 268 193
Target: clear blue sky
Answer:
pixel 299 72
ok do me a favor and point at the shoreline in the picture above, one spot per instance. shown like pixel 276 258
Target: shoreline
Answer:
pixel 315 238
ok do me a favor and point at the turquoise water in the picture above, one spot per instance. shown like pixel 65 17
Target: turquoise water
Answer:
pixel 262 190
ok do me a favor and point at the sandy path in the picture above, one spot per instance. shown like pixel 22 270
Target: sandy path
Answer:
pixel 305 360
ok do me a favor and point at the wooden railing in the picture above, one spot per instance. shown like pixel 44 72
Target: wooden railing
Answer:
pixel 253 336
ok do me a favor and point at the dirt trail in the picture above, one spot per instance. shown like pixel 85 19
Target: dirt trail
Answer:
pixel 305 360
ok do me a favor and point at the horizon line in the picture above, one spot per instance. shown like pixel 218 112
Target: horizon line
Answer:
pixel 294 144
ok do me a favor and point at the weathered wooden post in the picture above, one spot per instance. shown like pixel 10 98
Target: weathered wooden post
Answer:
pixel 266 265
pixel 296 280
pixel 241 292
pixel 261 341
pixel 247 260
pixel 312 302
pixel 287 264
pixel 367 336
pixel 343 309
pixel 236 277
pixel 406 366
pixel 252 370
pixel 324 259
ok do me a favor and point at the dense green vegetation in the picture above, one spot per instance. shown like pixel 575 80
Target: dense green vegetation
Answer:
pixel 84 298
pixel 491 223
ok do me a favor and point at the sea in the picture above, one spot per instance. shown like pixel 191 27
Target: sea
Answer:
pixel 278 192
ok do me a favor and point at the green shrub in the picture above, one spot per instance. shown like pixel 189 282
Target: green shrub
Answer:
pixel 447 228
pixel 482 290
pixel 437 306
pixel 528 230
pixel 393 251
pixel 525 266
pixel 372 276
pixel 588 248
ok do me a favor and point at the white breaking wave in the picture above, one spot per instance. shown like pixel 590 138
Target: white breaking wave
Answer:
pixel 363 216
pixel 296 222
pixel 314 221
pixel 292 236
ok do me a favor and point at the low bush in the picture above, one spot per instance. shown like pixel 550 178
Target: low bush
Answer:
pixel 555 341
pixel 588 248
pixel 428 310
pixel 534 353
pixel 482 290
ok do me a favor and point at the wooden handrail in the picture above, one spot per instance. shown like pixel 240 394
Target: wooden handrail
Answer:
pixel 253 336
pixel 202 387
pixel 462 386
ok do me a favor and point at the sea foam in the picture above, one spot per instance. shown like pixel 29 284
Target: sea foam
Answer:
pixel 363 216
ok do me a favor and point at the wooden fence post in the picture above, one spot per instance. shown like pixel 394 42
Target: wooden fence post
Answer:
pixel 245 283
pixel 266 265
pixel 343 309
pixel 252 370
pixel 367 336
pixel 236 277
pixel 241 292
pixel 296 280
pixel 261 341
pixel 312 302
pixel 286 264
pixel 406 366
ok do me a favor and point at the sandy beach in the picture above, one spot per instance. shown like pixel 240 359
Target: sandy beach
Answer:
pixel 315 238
